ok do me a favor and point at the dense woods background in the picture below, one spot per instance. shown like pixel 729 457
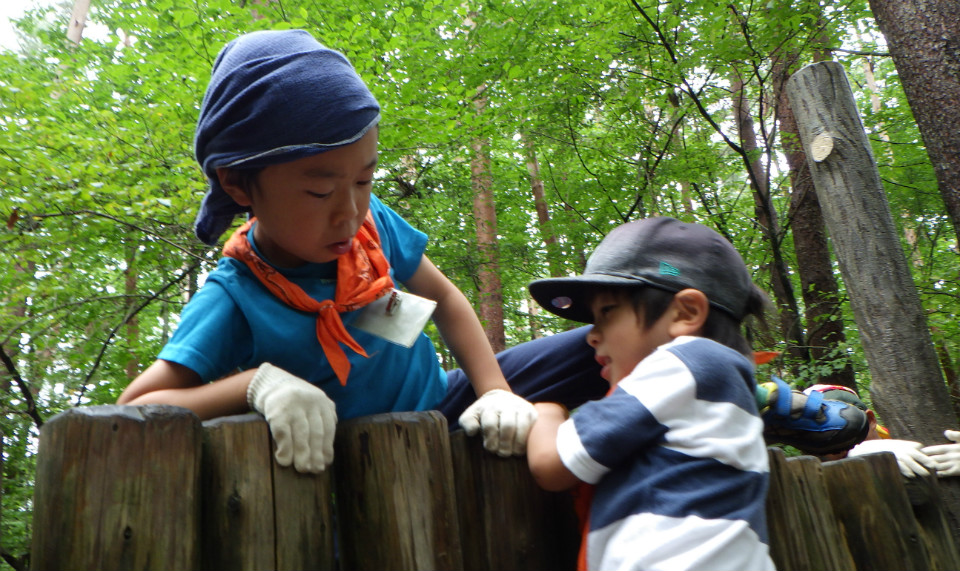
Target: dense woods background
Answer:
pixel 515 133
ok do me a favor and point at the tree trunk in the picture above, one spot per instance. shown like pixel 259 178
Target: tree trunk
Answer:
pixel 907 386
pixel 78 20
pixel 818 285
pixel 543 211
pixel 485 216
pixel 133 322
pixel 786 301
pixel 924 40
pixel 949 366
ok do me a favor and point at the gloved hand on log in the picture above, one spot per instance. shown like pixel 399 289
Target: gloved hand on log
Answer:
pixel 910 459
pixel 947 456
pixel 505 420
pixel 302 418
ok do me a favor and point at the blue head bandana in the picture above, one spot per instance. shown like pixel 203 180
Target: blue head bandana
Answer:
pixel 274 97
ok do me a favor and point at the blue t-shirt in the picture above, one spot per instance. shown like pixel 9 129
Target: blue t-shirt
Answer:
pixel 677 455
pixel 234 323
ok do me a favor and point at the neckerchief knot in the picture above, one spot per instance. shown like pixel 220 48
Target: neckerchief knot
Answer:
pixel 363 275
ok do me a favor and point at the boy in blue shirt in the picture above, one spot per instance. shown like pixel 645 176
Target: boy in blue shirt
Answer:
pixel 288 133
pixel 675 450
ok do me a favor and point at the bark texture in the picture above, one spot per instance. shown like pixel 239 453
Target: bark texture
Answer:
pixel 924 39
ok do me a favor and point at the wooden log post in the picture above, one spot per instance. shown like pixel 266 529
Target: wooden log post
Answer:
pixel 890 318
pixel 804 533
pixel 507 522
pixel 258 515
pixel 886 306
pixel 871 503
pixel 117 488
pixel 931 515
pixel 395 493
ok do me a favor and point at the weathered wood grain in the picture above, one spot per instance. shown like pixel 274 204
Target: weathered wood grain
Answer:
pixel 238 515
pixel 891 320
pixel 883 296
pixel 871 504
pixel 259 515
pixel 395 493
pixel 117 488
pixel 121 488
pixel 303 504
pixel 507 522
pixel 931 515
pixel 804 533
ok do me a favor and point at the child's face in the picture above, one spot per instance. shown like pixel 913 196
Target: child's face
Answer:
pixel 618 336
pixel 309 210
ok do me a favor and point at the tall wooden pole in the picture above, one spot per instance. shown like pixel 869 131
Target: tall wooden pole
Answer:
pixel 907 387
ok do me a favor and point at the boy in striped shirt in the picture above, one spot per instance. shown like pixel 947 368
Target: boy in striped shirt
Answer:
pixel 675 451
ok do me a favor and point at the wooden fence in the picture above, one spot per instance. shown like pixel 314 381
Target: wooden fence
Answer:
pixel 153 488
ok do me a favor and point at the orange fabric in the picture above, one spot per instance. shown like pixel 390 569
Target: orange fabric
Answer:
pixel 763 357
pixel 582 497
pixel 363 275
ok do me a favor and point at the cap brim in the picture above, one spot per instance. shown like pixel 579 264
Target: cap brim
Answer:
pixel 570 297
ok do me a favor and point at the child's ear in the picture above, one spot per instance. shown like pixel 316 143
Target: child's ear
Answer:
pixel 230 184
pixel 690 310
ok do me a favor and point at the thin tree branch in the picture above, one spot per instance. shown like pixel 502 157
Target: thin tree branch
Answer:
pixel 34 317
pixel 23 386
pixel 113 332
pixel 860 53
pixel 120 221
pixel 21 563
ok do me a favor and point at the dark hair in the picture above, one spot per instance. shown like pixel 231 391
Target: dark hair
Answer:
pixel 720 326
pixel 247 179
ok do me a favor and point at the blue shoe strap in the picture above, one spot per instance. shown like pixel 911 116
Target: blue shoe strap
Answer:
pixel 812 408
pixel 784 397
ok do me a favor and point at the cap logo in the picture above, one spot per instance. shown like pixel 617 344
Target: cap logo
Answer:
pixel 668 270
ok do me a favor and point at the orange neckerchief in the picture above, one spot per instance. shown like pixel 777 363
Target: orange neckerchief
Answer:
pixel 363 275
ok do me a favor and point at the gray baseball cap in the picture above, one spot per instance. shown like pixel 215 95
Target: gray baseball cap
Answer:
pixel 658 252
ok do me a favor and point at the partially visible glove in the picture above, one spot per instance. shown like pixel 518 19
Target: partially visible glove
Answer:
pixel 910 459
pixel 301 416
pixel 946 455
pixel 505 420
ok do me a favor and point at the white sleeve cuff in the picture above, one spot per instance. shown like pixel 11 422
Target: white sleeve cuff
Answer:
pixel 575 457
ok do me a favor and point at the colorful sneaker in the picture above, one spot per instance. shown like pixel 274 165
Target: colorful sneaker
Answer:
pixel 807 421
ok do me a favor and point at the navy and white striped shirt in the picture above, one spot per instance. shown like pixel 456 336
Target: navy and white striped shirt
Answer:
pixel 677 455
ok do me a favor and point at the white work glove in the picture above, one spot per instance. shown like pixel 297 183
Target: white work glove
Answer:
pixel 946 455
pixel 910 459
pixel 301 416
pixel 505 420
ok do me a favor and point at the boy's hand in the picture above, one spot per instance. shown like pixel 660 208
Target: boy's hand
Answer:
pixel 946 455
pixel 505 420
pixel 301 416
pixel 910 459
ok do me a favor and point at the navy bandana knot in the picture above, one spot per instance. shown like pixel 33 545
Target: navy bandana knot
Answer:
pixel 274 97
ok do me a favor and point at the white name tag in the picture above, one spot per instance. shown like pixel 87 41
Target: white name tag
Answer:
pixel 398 317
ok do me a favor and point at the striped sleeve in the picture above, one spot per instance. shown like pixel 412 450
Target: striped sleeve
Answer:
pixel 664 403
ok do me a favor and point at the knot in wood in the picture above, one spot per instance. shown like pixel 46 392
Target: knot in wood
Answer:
pixel 821 146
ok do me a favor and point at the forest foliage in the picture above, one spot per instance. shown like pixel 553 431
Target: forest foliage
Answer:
pixel 627 107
